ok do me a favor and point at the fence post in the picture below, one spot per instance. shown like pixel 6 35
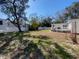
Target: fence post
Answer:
pixel 74 33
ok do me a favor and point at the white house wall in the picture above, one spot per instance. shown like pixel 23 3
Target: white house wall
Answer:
pixel 9 27
pixel 77 26
pixel 73 25
pixel 61 27
pixel 69 26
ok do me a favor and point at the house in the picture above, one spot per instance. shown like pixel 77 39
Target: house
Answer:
pixel 73 25
pixel 70 26
pixel 62 27
pixel 7 26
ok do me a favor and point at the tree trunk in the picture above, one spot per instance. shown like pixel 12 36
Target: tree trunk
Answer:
pixel 17 19
pixel 19 28
pixel 18 25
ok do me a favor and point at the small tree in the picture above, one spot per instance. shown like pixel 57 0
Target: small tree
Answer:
pixel 14 9
pixel 34 23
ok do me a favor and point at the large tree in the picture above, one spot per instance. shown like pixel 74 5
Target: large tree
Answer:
pixel 15 10
pixel 72 11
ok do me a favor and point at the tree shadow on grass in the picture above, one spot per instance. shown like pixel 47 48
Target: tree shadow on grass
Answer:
pixel 37 36
pixel 7 40
pixel 30 50
pixel 62 53
pixel 24 50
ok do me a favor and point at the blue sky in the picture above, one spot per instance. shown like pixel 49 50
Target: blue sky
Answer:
pixel 48 7
pixel 45 7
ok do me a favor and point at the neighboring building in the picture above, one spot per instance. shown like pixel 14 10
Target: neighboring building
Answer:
pixel 73 25
pixel 70 26
pixel 59 27
pixel 7 26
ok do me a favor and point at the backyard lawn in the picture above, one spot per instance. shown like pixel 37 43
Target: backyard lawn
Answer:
pixel 54 36
pixel 62 39
pixel 48 43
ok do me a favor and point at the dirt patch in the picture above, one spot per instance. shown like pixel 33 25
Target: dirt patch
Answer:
pixel 52 35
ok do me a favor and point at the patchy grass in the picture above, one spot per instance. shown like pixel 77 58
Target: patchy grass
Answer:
pixel 55 36
pixel 44 44
pixel 61 38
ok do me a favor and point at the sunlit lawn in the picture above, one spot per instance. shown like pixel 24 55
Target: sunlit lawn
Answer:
pixel 54 36
pixel 55 40
pixel 61 38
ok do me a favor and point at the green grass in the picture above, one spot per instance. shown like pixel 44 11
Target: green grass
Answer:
pixel 37 45
pixel 39 31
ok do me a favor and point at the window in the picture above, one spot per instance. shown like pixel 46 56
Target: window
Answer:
pixel 64 25
pixel 1 23
pixel 58 28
